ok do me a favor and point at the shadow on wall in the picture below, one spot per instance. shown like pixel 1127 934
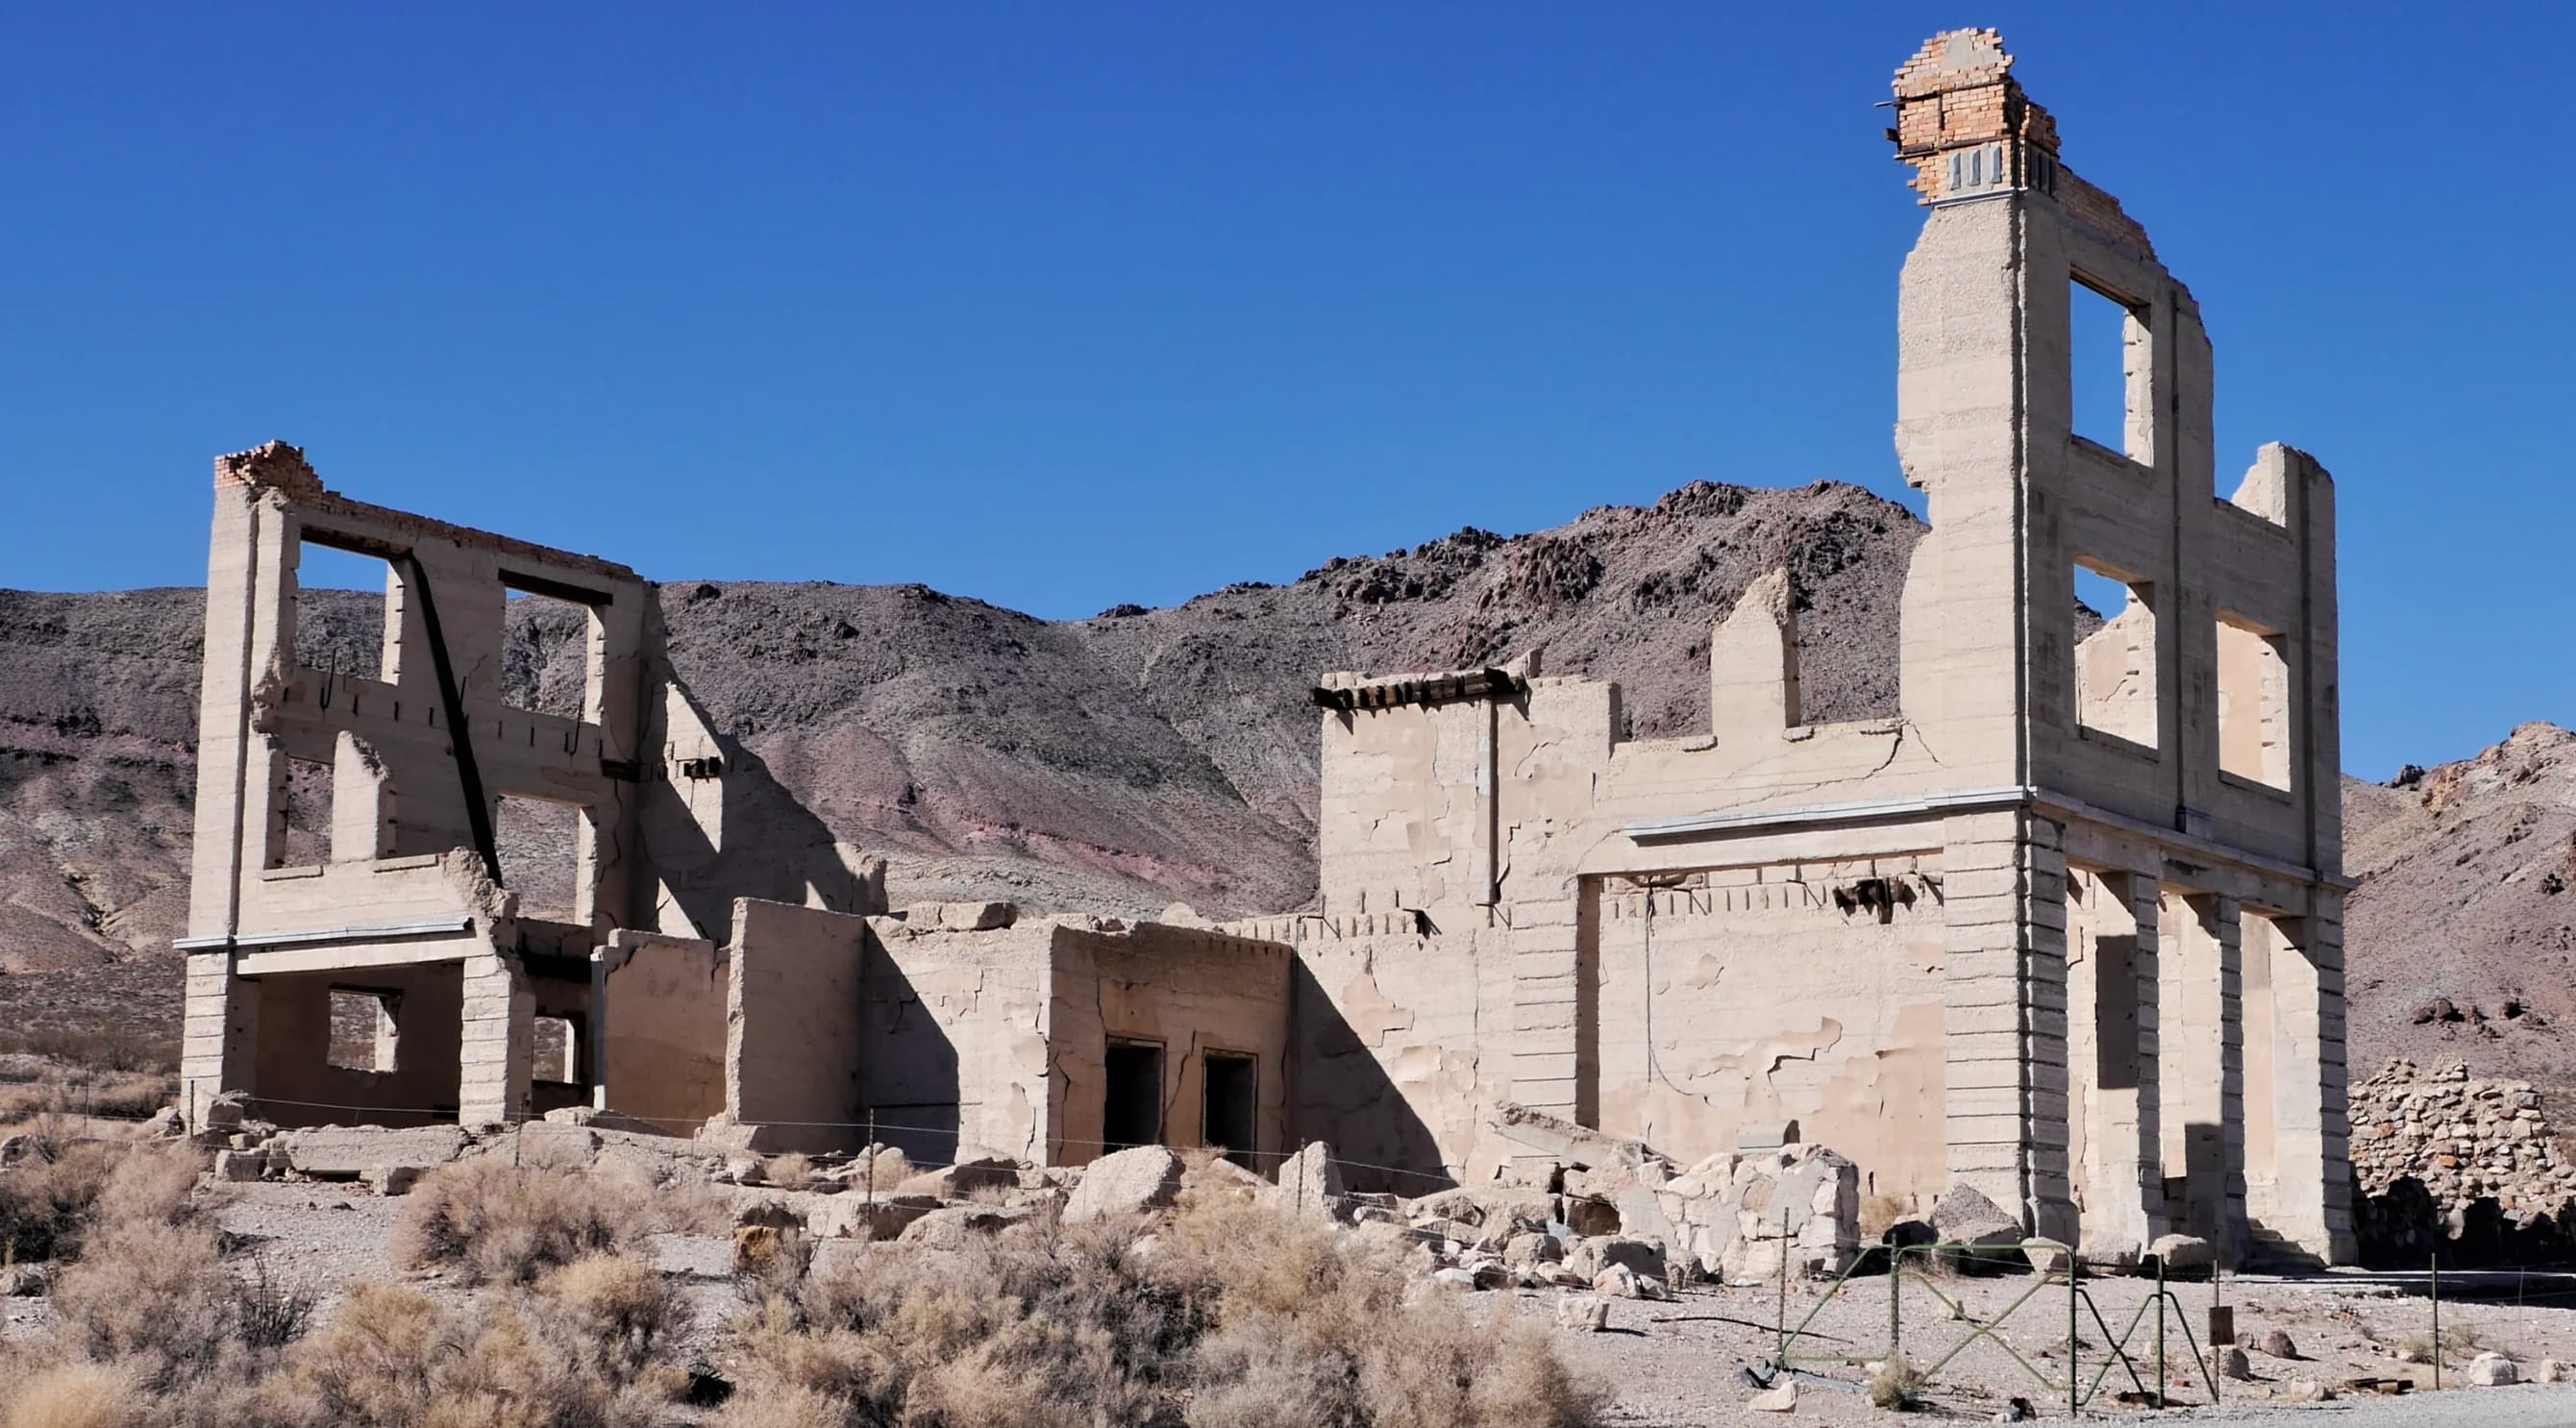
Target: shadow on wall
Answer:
pixel 1342 1096
pixel 766 844
pixel 2404 1227
pixel 908 1071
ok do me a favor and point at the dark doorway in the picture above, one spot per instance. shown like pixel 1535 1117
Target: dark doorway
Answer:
pixel 1132 1113
pixel 1228 1118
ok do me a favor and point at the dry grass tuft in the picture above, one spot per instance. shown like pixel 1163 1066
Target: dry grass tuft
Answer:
pixel 788 1172
pixel 75 1395
pixel 1879 1212
pixel 1897 1385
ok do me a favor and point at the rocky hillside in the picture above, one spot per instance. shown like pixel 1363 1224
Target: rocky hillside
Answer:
pixel 1144 756
pixel 1116 763
pixel 2463 933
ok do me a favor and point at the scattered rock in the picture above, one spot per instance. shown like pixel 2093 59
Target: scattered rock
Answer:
pixel 1583 1313
pixel 1147 1177
pixel 1964 1216
pixel 2554 1371
pixel 2303 1390
pixel 2493 1371
pixel 2232 1363
pixel 392 1179
pixel 2277 1344
pixel 231 1166
pixel 1783 1399
pixel 2183 1252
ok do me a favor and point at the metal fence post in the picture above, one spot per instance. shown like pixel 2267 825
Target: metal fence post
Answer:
pixel 2074 1335
pixel 2162 1378
pixel 1782 1358
pixel 2437 1319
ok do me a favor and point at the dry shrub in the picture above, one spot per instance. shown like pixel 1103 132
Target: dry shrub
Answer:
pixel 151 1296
pixel 621 1310
pixel 45 1202
pixel 153 1184
pixel 505 1223
pixel 1235 1317
pixel 75 1395
pixel 1313 1331
pixel 392 1358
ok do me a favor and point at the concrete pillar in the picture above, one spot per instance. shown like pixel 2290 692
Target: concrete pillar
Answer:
pixel 219 1036
pixel 2004 1033
pixel 2111 1016
pixel 497 1055
pixel 2298 1192
pixel 2202 1035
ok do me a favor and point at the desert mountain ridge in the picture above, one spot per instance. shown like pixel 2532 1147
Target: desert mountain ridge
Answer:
pixel 1141 757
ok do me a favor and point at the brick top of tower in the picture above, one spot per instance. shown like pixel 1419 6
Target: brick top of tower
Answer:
pixel 1957 96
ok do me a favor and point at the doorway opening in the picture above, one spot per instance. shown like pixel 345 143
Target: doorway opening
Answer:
pixel 1132 1109
pixel 1226 1121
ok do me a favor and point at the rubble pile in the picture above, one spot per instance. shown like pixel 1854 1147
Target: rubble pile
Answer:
pixel 2463 1139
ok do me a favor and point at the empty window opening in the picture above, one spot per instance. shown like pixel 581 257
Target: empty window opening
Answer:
pixel 1132 1108
pixel 2115 665
pixel 546 654
pixel 558 1047
pixel 2108 347
pixel 363 1029
pixel 1227 1122
pixel 539 843
pixel 2253 702
pixel 302 815
pixel 340 610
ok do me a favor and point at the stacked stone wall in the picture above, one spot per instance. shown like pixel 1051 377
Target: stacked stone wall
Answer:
pixel 2464 1139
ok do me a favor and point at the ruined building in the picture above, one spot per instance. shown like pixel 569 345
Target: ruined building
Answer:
pixel 2065 926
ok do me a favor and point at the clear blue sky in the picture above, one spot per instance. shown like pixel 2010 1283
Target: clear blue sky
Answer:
pixel 1067 305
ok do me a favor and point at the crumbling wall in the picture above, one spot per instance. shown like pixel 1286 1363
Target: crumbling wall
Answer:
pixel 2462 1138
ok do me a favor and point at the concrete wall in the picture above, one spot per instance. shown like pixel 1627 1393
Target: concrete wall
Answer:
pixel 957 1038
pixel 662 1031
pixel 794 1032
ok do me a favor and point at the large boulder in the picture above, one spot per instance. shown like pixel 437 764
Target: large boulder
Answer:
pixel 347 1153
pixel 1147 1177
pixel 1643 1258
pixel 1310 1182
pixel 953 1226
pixel 861 1217
pixel 2493 1371
pixel 1987 1238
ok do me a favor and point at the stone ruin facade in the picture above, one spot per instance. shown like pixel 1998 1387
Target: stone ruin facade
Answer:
pixel 2064 927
